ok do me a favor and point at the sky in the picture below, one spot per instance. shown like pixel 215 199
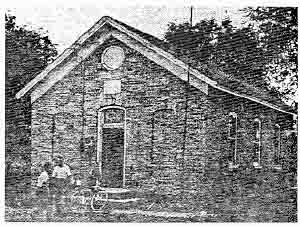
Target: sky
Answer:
pixel 65 24
pixel 66 20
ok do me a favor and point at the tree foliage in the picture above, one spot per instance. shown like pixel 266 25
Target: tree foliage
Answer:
pixel 27 53
pixel 235 51
pixel 277 29
pixel 262 53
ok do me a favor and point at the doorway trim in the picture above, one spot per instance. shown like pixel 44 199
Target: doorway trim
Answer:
pixel 100 126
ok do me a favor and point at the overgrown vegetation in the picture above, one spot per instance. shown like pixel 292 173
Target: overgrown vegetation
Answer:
pixel 262 52
pixel 27 53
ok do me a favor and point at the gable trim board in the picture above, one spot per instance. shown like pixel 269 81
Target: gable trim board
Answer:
pixel 254 100
pixel 162 61
pixel 134 41
pixel 65 69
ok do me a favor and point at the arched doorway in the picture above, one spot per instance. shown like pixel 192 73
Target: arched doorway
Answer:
pixel 111 146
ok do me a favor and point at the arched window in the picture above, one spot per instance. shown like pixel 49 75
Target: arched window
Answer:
pixel 277 145
pixel 113 116
pixel 164 142
pixel 232 137
pixel 257 143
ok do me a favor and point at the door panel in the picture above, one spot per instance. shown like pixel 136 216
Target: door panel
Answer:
pixel 112 157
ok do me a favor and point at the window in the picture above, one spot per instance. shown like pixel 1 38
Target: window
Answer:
pixel 232 137
pixel 113 115
pixel 277 145
pixel 113 57
pixel 257 143
pixel 295 128
pixel 163 144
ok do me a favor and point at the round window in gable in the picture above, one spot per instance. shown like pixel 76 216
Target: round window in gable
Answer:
pixel 112 57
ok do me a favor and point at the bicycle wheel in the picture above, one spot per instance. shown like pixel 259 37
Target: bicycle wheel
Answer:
pixel 99 201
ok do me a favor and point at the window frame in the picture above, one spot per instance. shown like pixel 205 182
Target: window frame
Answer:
pixel 258 135
pixel 233 164
pixel 153 120
pixel 277 148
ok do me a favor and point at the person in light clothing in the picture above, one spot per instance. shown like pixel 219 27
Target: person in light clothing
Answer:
pixel 42 192
pixel 61 176
pixel 44 177
pixel 61 171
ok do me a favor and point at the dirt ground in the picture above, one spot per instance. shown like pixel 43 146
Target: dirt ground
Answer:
pixel 19 207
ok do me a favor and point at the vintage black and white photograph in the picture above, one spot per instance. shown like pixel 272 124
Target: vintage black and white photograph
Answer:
pixel 118 112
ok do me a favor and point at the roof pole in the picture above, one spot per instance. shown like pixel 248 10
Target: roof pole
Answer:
pixel 52 136
pixel 191 17
pixel 83 109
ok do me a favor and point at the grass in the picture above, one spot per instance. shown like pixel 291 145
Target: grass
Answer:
pixel 240 206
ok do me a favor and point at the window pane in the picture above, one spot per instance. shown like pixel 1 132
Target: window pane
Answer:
pixel 256 150
pixel 232 151
pixel 232 126
pixel 113 115
pixel 256 130
pixel 276 143
pixel 257 141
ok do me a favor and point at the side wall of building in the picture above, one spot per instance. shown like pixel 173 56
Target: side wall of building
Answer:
pixel 238 191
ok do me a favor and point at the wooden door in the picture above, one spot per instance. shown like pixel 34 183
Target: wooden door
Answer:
pixel 112 157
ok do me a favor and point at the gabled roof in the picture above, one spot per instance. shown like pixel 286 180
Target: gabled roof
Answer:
pixel 243 88
pixel 160 49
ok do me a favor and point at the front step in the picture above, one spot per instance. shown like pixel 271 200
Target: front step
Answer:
pixel 104 196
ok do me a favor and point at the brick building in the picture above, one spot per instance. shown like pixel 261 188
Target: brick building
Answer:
pixel 118 99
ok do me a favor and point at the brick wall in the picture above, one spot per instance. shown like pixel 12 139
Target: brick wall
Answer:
pixel 156 157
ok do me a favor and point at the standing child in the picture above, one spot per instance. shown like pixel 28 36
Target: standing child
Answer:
pixel 62 175
pixel 94 178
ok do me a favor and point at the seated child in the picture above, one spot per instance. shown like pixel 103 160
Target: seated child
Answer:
pixel 94 177
pixel 41 201
pixel 43 181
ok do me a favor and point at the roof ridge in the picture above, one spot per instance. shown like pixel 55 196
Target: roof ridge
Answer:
pixel 160 47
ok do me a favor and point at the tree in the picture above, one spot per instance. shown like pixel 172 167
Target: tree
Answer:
pixel 262 53
pixel 193 43
pixel 27 53
pixel 277 29
pixel 235 51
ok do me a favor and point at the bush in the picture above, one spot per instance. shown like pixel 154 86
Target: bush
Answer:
pixel 17 165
